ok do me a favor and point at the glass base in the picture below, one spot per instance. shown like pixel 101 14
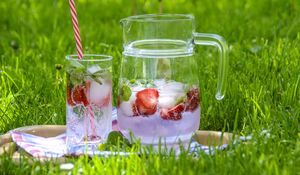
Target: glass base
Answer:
pixel 84 147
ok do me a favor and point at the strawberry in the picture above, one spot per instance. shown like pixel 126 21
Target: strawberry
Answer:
pixel 78 95
pixel 174 113
pixel 164 114
pixel 146 101
pixel 135 110
pixel 69 98
pixel 119 101
pixel 143 110
pixel 192 99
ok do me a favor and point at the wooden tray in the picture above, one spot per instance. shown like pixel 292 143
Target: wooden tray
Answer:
pixel 209 138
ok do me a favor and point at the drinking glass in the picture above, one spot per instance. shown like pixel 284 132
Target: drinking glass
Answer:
pixel 89 101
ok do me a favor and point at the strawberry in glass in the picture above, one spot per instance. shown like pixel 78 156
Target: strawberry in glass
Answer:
pixel 89 88
pixel 158 109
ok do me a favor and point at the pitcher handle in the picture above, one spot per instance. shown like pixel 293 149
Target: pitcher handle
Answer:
pixel 219 42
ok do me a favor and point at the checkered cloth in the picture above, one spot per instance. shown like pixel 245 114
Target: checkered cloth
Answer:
pixel 54 147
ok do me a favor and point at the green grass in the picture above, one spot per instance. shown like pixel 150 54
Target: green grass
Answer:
pixel 263 96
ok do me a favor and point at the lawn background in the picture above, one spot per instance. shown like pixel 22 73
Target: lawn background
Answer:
pixel 262 99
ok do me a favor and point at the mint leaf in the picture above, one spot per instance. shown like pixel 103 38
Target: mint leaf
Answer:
pixel 181 99
pixel 97 74
pixel 143 81
pixel 101 147
pixel 75 77
pixel 79 110
pixel 98 113
pixel 114 137
pixel 132 81
pixel 95 78
pixel 76 73
pixel 125 93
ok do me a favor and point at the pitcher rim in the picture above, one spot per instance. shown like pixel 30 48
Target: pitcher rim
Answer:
pixel 154 17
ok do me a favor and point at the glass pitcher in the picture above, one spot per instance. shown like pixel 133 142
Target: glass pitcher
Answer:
pixel 159 98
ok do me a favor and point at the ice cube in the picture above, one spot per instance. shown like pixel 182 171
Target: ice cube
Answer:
pixel 170 93
pixel 93 69
pixel 132 98
pixel 98 92
pixel 166 102
pixel 126 106
pixel 174 86
pixel 169 100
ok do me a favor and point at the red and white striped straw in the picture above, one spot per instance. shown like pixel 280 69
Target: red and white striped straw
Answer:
pixel 76 28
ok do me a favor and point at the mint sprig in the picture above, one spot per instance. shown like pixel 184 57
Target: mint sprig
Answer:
pixel 78 74
pixel 125 93
pixel 114 139
pixel 79 110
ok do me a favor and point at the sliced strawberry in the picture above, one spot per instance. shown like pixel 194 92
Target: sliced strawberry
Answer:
pixel 69 98
pixel 146 101
pixel 78 95
pixel 135 110
pixel 143 110
pixel 148 97
pixel 193 100
pixel 164 114
pixel 174 113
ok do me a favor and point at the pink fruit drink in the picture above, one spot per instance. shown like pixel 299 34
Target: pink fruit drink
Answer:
pixel 166 111
pixel 88 109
